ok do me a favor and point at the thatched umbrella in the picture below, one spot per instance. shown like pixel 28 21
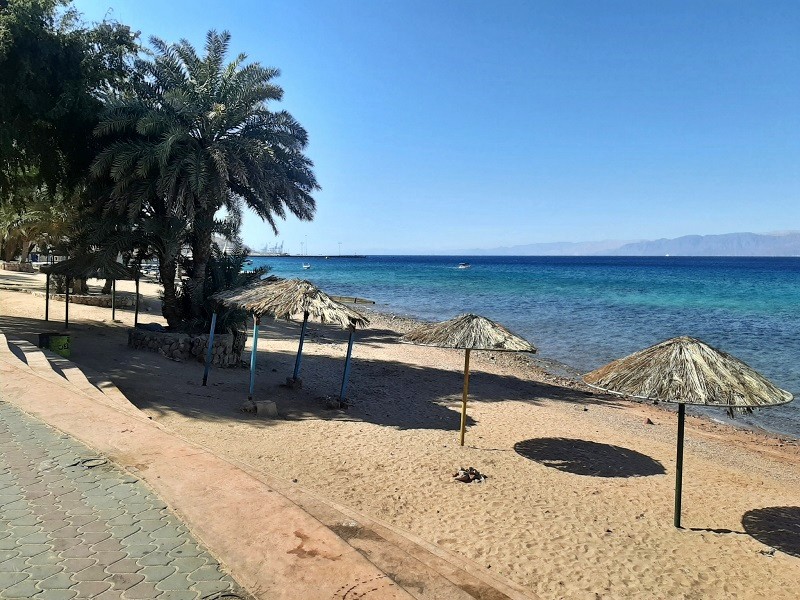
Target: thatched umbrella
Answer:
pixel 284 298
pixel 685 370
pixel 86 266
pixel 468 332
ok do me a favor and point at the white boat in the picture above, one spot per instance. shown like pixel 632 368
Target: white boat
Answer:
pixel 464 265
pixel 306 266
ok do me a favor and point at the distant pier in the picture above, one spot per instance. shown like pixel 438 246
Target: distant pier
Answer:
pixel 304 256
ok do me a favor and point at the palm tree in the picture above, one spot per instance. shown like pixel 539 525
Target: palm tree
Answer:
pixel 197 136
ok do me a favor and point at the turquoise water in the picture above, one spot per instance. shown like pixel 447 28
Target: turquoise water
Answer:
pixel 586 311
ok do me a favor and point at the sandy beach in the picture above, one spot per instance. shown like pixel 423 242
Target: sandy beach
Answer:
pixel 579 496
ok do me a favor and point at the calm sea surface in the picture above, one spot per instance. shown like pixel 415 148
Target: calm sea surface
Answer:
pixel 586 311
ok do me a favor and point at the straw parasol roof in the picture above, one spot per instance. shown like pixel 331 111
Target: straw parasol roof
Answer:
pixel 471 332
pixel 87 266
pixel 284 298
pixel 689 371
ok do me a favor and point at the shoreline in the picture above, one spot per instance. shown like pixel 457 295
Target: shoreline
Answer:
pixel 550 516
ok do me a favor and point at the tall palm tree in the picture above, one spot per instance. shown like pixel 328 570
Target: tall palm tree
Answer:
pixel 196 136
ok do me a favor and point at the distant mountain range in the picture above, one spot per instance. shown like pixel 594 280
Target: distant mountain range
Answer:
pixel 782 243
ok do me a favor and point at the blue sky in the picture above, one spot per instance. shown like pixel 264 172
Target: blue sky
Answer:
pixel 438 126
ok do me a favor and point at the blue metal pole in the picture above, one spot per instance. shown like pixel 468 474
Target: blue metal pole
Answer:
pixel 299 358
pixel 66 305
pixel 253 357
pixel 210 346
pixel 47 299
pixel 347 364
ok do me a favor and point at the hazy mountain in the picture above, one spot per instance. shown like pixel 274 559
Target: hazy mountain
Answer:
pixel 552 249
pixel 780 243
pixel 729 244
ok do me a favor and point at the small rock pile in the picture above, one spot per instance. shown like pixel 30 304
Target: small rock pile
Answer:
pixel 469 475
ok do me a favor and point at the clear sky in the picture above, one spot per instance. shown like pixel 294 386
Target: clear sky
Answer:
pixel 443 125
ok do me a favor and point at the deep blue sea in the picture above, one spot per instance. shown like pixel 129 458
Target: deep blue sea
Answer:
pixel 586 311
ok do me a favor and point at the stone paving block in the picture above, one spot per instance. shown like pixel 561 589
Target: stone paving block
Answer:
pixel 95 537
pixel 64 594
pixel 206 573
pixel 135 539
pixel 124 519
pixel 60 544
pixel 140 550
pixel 73 565
pixel 167 544
pixel 80 520
pixel 45 558
pixel 206 588
pixel 26 521
pixel 27 550
pixel 155 574
pixel 141 591
pixel 10 578
pixel 126 565
pixel 93 573
pixel 187 564
pixel 155 559
pixel 24 589
pixel 36 538
pixel 78 551
pixel 111 594
pixel 150 526
pixel 175 582
pixel 123 531
pixel 91 589
pixel 123 581
pixel 40 572
pixel 182 595
pixel 13 565
pixel 108 558
pixel 59 581
pixel 108 545
pixel 186 549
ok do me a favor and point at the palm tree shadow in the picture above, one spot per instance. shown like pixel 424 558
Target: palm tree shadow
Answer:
pixel 775 526
pixel 582 457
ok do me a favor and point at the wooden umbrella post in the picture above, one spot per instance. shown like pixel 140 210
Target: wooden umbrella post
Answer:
pixel 210 347
pixel 47 299
pixel 113 300
pixel 66 305
pixel 346 375
pixel 299 358
pixel 464 397
pixel 253 357
pixel 679 466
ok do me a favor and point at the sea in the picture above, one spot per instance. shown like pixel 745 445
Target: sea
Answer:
pixel 582 312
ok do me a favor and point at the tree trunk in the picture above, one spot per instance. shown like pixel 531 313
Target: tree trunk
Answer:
pixel 107 287
pixel 169 305
pixel 26 250
pixel 201 253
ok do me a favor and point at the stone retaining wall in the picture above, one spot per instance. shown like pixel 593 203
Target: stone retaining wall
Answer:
pixel 103 300
pixel 227 350
pixel 25 267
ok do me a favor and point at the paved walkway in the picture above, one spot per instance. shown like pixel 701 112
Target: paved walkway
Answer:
pixel 74 526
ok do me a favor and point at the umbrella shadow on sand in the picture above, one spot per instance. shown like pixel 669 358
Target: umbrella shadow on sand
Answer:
pixel 582 457
pixel 775 526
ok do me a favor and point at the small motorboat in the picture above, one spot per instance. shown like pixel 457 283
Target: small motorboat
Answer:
pixel 464 265
pixel 306 266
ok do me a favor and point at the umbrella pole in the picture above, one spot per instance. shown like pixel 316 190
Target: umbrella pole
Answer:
pixel 136 310
pixel 66 305
pixel 299 358
pixel 679 466
pixel 47 299
pixel 464 397
pixel 210 346
pixel 253 357
pixel 346 375
pixel 113 299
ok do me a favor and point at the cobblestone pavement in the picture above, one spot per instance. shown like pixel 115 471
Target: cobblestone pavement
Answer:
pixel 73 525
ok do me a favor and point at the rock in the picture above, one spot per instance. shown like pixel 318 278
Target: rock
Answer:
pixel 648 422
